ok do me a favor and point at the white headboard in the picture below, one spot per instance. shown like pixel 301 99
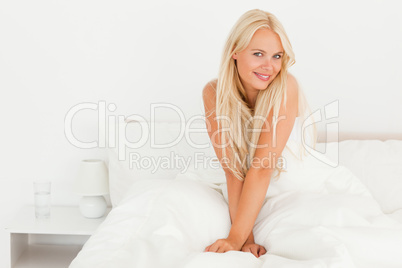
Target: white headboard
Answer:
pixel 382 136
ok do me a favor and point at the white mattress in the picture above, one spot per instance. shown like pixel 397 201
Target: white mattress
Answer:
pixel 315 215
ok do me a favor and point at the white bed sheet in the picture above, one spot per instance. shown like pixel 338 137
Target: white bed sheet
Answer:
pixel 313 216
pixel 378 165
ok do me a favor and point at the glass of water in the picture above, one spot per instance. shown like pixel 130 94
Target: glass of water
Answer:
pixel 42 199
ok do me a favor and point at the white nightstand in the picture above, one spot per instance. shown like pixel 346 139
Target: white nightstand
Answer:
pixel 52 242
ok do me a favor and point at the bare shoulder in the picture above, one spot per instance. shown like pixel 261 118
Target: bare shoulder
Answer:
pixel 209 94
pixel 210 88
pixel 292 91
pixel 292 85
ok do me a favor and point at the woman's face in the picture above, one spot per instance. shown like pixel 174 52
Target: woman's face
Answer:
pixel 261 61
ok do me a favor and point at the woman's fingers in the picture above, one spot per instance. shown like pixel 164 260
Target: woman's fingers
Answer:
pixel 254 250
pixel 214 247
pixel 221 250
pixel 246 249
pixel 221 246
pixel 259 251
pixel 262 251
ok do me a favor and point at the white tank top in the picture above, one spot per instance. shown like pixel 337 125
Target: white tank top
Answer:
pixel 294 143
pixel 295 135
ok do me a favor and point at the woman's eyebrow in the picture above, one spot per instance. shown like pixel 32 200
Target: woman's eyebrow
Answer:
pixel 280 52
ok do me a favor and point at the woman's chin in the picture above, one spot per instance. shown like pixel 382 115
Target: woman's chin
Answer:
pixel 262 88
pixel 262 85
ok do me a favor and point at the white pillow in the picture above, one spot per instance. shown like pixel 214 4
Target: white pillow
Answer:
pixel 126 165
pixel 378 164
pixel 190 149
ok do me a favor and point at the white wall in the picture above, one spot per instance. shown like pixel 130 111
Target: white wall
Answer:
pixel 57 54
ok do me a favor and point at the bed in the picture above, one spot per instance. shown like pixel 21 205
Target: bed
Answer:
pixel 341 208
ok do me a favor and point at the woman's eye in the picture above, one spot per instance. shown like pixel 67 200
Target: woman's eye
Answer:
pixel 258 53
pixel 278 56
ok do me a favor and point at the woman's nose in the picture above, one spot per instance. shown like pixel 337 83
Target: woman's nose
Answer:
pixel 267 65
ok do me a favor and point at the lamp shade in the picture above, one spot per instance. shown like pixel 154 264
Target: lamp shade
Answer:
pixel 92 178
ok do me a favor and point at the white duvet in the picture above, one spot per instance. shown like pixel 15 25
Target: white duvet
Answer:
pixel 313 216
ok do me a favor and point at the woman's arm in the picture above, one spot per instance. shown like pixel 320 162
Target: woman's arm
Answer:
pixel 234 187
pixel 258 177
pixel 249 205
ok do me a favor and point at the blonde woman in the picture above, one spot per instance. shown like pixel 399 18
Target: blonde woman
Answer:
pixel 251 110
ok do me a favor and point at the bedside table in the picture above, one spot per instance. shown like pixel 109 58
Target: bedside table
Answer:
pixel 52 242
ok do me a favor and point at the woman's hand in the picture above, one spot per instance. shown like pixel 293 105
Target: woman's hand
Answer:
pixel 255 249
pixel 223 245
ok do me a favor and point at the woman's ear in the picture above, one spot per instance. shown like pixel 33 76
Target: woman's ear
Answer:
pixel 234 56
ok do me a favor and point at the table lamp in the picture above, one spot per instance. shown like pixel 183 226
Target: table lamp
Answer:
pixel 92 183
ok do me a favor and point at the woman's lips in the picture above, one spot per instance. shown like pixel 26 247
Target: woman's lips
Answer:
pixel 262 77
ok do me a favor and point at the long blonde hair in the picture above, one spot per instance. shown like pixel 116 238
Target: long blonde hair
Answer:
pixel 232 111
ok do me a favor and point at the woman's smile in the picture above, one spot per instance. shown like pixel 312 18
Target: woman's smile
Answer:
pixel 262 77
